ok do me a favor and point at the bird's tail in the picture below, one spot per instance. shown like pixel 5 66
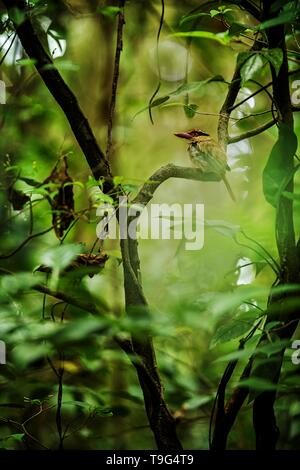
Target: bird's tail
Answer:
pixel 228 187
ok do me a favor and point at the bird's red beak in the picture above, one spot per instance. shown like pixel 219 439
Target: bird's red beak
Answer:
pixel 184 135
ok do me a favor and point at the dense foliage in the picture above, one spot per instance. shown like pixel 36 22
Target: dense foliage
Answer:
pixel 95 91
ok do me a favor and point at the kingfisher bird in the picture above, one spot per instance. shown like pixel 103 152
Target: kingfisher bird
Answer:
pixel 206 154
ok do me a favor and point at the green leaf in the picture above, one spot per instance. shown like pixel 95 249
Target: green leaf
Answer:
pixel 236 355
pixel 222 38
pixel 78 330
pixel 236 28
pixel 185 19
pixel 278 4
pixel 292 196
pixel 277 172
pixel 225 228
pixel 19 282
pixel 17 15
pixel 183 89
pixel 26 62
pixel 253 64
pixel 233 329
pixel 197 402
pixel 159 101
pixel 275 57
pixel 109 11
pixel 190 110
pixel 285 17
pixel 58 259
pixel 17 437
pixel 273 348
pixel 214 13
pixel 195 86
pixel 258 384
pixel 25 354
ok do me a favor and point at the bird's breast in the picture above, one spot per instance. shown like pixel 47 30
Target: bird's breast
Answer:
pixel 198 156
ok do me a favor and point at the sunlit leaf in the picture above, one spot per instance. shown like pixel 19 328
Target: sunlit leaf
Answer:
pixel 222 38
pixel 110 11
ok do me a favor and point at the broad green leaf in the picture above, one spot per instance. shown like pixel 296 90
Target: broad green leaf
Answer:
pixel 232 330
pixel 277 172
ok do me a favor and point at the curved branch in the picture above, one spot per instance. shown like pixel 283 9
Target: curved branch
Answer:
pixel 170 170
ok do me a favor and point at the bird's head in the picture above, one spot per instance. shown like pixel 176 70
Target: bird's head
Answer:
pixel 193 135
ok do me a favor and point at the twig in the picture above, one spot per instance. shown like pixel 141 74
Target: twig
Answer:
pixel 24 242
pixel 119 47
pixel 252 132
pixel 161 22
pixel 59 403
